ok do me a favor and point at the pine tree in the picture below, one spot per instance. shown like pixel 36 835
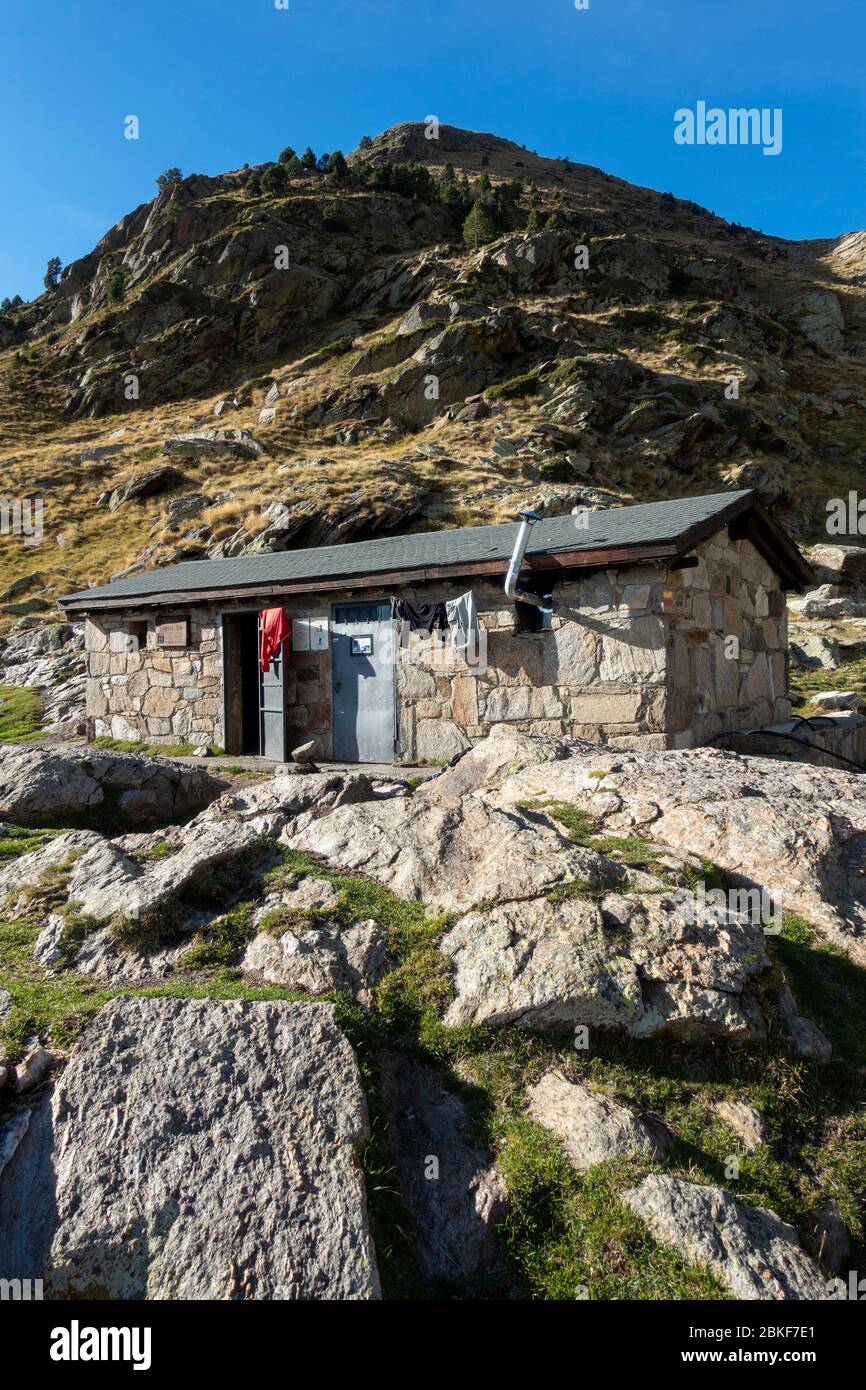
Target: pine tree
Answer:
pixel 253 186
pixel 478 228
pixel 52 272
pixel 115 287
pixel 287 155
pixel 275 179
pixel 308 158
pixel 337 166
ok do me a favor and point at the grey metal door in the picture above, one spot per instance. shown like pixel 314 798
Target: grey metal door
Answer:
pixel 362 641
pixel 272 706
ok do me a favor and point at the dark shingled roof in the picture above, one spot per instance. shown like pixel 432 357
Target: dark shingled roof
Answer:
pixel 650 523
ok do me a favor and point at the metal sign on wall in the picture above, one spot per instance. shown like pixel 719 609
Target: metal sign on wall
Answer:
pixel 310 634
pixel 173 634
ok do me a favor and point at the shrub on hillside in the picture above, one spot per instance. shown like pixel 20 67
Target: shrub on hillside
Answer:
pixel 166 179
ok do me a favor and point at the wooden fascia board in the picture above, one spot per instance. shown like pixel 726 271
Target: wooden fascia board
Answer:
pixel 549 562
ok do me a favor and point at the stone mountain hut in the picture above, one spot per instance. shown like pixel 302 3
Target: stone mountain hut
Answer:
pixel 653 626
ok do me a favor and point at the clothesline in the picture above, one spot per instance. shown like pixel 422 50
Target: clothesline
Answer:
pixel 458 616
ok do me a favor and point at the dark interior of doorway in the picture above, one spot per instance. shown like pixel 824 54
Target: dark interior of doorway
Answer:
pixel 250 723
pixel 241 647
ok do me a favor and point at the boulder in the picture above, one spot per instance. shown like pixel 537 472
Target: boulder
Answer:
pixel 811 651
pixel 321 956
pixel 829 601
pixel 832 1237
pixel 628 964
pixel 215 443
pixel 591 1127
pixel 838 699
pixel 750 1249
pixel 819 315
pixel 804 1037
pixel 246 1120
pixel 142 485
pixel 37 786
pixel 450 1186
pixel 847 561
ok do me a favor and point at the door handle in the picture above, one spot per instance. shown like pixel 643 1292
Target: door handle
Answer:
pixel 338 685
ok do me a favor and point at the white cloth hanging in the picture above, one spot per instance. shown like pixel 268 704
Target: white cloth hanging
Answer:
pixel 463 621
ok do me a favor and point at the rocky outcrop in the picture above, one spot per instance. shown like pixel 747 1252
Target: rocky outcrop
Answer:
pixel 128 897
pixel 751 1250
pixel 820 317
pixel 215 444
pixel 799 832
pixel 591 1127
pixel 49 657
pixel 39 786
pixel 247 1120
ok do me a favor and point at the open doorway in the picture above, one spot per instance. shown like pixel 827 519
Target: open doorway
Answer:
pixel 255 702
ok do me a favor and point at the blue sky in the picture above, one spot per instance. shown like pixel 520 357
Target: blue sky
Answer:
pixel 216 83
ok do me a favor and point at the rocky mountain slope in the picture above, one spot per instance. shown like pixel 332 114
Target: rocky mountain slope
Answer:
pixel 369 369
pixel 503 1060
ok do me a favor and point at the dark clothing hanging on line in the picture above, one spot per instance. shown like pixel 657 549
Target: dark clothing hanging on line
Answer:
pixel 421 617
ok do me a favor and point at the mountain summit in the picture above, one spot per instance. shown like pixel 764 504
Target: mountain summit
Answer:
pixel 440 326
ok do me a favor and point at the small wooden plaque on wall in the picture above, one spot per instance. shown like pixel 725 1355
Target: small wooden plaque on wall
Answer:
pixel 173 634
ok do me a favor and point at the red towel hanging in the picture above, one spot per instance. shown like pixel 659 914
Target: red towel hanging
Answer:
pixel 276 629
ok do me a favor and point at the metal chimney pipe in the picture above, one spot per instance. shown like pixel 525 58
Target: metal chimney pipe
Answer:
pixel 527 521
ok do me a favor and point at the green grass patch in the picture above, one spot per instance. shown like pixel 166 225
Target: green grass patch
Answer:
pixel 165 750
pixel 529 384
pixel 21 839
pixel 338 347
pixel 851 675
pixel 633 851
pixel 22 712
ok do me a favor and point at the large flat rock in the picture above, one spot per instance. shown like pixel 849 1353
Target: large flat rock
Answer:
pixel 752 1250
pixel 196 1149
pixel 627 963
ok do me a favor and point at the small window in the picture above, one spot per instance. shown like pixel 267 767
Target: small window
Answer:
pixel 528 618
pixel 136 636
pixel 362 613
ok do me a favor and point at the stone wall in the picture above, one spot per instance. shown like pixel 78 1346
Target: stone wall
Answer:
pixel 599 672
pixel 138 691
pixel 728 643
